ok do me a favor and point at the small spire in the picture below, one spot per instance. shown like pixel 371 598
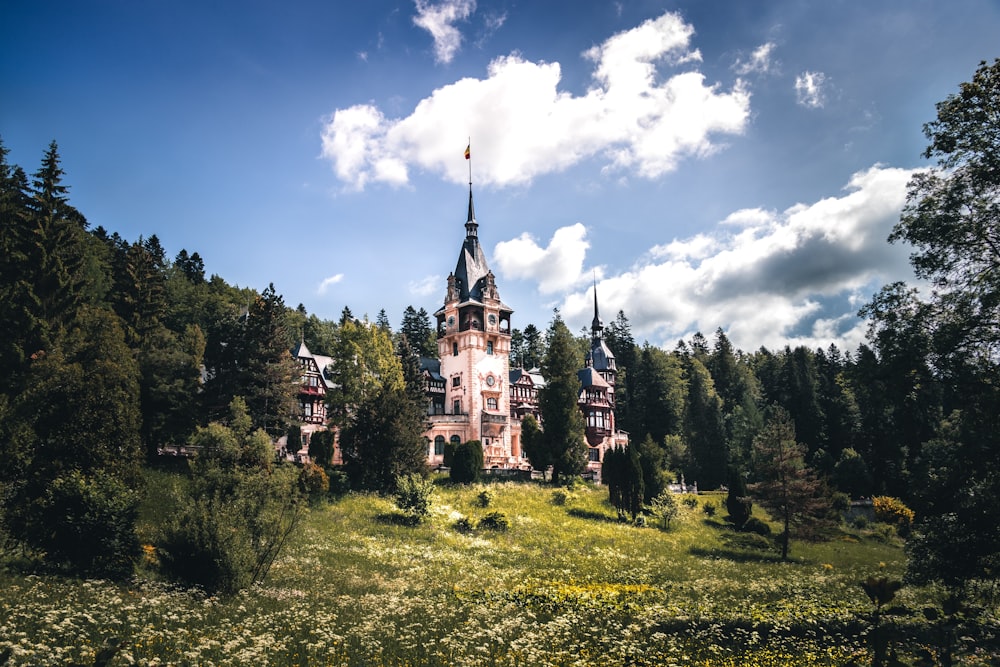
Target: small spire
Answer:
pixel 597 326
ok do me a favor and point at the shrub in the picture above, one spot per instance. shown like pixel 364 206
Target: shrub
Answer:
pixel 755 525
pixel 463 525
pixel 709 508
pixel 560 497
pixel 748 541
pixel 313 481
pixel 87 524
pixel 665 508
pixel 640 521
pixel 413 496
pixel 467 462
pixel 340 483
pixel 485 497
pixel 738 502
pixel 892 511
pixel 232 526
pixel 690 502
pixel 497 521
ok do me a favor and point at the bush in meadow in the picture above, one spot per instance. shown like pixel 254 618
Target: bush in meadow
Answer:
pixel 665 508
pixel 313 481
pixel 237 513
pixel 497 521
pixel 893 511
pixel 485 497
pixel 87 523
pixel 467 462
pixel 413 496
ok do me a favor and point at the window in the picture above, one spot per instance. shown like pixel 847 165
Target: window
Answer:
pixel 439 446
pixel 489 347
pixel 491 403
pixel 456 440
pixel 454 349
pixel 456 381
pixel 457 407
pixel 594 454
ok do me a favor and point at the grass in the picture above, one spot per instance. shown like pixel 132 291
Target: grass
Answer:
pixel 566 584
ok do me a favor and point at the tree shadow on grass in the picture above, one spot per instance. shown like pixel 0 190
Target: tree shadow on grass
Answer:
pixel 736 555
pixel 396 519
pixel 591 515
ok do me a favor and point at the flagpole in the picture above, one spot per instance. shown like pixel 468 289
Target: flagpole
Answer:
pixel 469 149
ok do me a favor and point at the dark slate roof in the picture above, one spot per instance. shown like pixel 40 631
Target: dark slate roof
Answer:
pixel 534 375
pixel 431 366
pixel 599 355
pixel 589 377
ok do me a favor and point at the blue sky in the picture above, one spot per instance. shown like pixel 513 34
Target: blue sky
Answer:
pixel 732 163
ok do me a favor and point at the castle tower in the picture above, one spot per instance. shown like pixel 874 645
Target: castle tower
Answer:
pixel 473 328
pixel 597 394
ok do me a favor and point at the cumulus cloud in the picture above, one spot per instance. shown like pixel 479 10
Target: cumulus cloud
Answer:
pixel 768 278
pixel 809 89
pixel 557 267
pixel 438 19
pixel 328 282
pixel 637 116
pixel 426 286
pixel 759 61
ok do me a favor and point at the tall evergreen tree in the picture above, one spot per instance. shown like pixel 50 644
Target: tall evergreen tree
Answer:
pixel 384 440
pixel 558 401
pixel 784 484
pixel 416 326
pixel 703 427
pixel 533 348
pixel 271 377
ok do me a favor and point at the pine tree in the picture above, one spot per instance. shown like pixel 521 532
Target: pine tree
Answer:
pixel 558 401
pixel 785 485
pixel 271 375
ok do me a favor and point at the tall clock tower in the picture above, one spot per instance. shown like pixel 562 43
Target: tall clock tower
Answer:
pixel 473 330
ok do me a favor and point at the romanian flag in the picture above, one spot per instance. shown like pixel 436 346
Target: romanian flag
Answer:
pixel 468 152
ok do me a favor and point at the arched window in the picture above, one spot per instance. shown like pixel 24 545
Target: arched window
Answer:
pixel 456 440
pixel 439 445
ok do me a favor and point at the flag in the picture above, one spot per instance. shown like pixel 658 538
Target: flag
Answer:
pixel 468 152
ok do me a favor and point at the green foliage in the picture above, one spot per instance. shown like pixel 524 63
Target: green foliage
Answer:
pixel 236 514
pixel 486 497
pixel 365 366
pixel 495 521
pixel 313 481
pixel 622 472
pixel 321 447
pixel 87 524
pixel 563 432
pixel 709 508
pixel 293 443
pixel 653 460
pixel 467 462
pixel 851 474
pixel 690 502
pixel 755 525
pixel 560 497
pixel 785 486
pixel 384 440
pixel 413 496
pixel 738 501
pixel 665 508
pixel 534 445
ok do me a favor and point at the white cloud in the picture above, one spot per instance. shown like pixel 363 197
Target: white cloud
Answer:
pixel 328 282
pixel 426 286
pixel 759 61
pixel 809 89
pixel 555 268
pixel 439 19
pixel 768 278
pixel 635 117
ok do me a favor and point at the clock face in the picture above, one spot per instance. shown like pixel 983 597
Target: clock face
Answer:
pixel 490 380
pixel 451 321
pixel 493 320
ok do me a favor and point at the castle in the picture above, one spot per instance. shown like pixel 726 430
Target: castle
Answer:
pixel 472 393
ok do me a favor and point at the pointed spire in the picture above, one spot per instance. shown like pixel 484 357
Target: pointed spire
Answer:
pixel 597 326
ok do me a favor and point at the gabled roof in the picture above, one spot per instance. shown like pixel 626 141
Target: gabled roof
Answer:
pixel 432 367
pixel 533 376
pixel 589 377
pixel 321 361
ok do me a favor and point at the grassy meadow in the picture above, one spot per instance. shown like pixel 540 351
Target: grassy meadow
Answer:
pixel 566 584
